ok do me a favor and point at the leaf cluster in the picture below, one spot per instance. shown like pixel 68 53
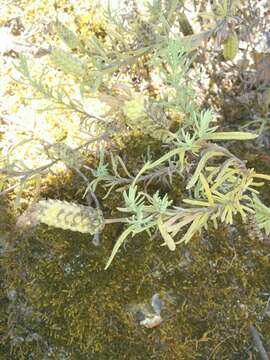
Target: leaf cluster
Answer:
pixel 219 185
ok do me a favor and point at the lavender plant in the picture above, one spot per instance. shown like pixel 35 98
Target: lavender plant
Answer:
pixel 219 184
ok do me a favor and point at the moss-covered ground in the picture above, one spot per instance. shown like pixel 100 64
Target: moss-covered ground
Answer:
pixel 58 302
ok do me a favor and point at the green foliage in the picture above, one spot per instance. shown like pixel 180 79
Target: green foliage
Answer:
pixel 124 100
pixel 218 189
pixel 175 75
pixel 67 63
pixel 68 36
pixel 61 151
pixel 220 193
pixel 262 215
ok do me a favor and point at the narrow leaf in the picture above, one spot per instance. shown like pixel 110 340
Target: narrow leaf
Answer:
pixel 206 189
pixel 262 176
pixel 197 224
pixel 234 135
pixel 201 165
pixel 175 228
pixel 166 236
pixel 196 202
pixel 117 245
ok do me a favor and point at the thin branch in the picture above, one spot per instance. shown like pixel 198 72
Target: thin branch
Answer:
pixel 258 343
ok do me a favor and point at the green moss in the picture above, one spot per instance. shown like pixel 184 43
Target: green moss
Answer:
pixel 212 289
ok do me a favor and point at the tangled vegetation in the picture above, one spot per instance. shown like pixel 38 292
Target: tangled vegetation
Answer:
pixel 122 111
